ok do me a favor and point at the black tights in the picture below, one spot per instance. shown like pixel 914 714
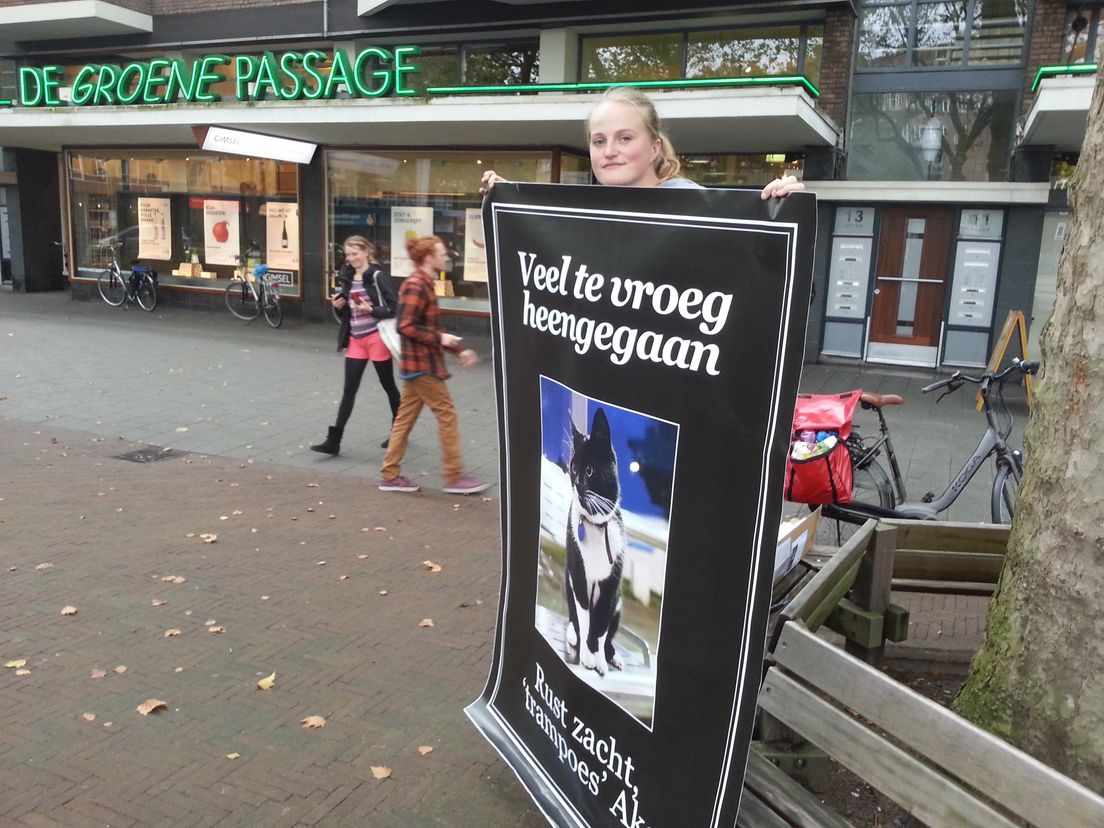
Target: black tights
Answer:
pixel 354 371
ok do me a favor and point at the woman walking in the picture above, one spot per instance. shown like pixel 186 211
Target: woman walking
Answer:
pixel 366 296
pixel 422 368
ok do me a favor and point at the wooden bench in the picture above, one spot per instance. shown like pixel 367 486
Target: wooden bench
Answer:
pixel 961 558
pixel 932 762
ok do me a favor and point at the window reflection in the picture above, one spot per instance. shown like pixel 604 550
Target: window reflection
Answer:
pixel 633 57
pixel 940 34
pixel 884 37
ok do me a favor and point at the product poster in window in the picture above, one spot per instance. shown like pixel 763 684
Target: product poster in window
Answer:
pixel 475 247
pixel 154 229
pixel 407 223
pixel 221 237
pixel 647 349
pixel 282 235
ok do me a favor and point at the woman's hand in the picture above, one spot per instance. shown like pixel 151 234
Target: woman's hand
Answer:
pixel 782 187
pixel 489 179
pixel 468 358
pixel 338 301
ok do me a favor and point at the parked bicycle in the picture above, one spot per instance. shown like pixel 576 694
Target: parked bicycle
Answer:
pixel 881 494
pixel 139 287
pixel 247 298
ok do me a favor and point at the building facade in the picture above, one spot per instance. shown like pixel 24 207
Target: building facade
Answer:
pixel 194 135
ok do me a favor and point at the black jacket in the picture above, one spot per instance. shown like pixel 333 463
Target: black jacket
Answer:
pixel 384 303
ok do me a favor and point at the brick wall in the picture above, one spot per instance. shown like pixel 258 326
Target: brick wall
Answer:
pixel 167 7
pixel 1045 42
pixel 143 6
pixel 835 64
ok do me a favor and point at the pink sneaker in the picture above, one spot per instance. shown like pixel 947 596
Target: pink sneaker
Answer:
pixel 465 484
pixel 398 484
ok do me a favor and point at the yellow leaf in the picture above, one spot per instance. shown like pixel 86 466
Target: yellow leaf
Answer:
pixel 426 622
pixel 267 683
pixel 68 610
pixel 424 749
pixel 431 566
pixel 313 722
pixel 381 772
pixel 173 633
pixel 150 705
pixel 88 717
pixel 233 756
pixel 97 673
pixel 19 662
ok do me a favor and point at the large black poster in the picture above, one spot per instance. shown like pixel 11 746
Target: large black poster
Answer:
pixel 647 347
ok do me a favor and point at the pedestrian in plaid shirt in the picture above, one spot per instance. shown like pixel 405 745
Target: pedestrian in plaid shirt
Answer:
pixel 422 368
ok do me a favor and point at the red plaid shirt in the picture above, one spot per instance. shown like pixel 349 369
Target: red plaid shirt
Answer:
pixel 419 323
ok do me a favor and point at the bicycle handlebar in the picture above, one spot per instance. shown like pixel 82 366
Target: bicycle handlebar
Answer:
pixel 1027 366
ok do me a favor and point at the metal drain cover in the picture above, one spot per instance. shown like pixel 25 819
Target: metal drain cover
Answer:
pixel 150 454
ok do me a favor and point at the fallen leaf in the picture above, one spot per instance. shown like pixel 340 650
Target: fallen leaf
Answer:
pixel 88 717
pixel 182 429
pixel 233 756
pixel 157 602
pixel 431 566
pixel 22 672
pixel 190 535
pixel 383 592
pixel 267 683
pixel 150 705
pixel 19 662
pixel 424 749
pixel 320 563
pixel 216 630
pixel 178 670
pixel 97 673
pixel 173 579
pixel 224 517
pixel 381 772
pixel 69 610
pixel 312 485
pixel 108 724
pixel 173 633
pixel 42 566
pixel 426 622
pixel 362 557
pixel 236 512
pixel 209 537
pixel 310 508
pixel 210 622
pixel 120 669
pixel 313 722
pixel 381 529
pixel 343 578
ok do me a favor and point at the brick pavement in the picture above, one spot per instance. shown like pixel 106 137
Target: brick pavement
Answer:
pixel 83 383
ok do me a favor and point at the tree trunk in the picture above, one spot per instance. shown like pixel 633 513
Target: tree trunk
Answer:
pixel 1038 680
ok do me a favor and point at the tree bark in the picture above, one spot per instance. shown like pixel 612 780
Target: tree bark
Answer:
pixel 1038 680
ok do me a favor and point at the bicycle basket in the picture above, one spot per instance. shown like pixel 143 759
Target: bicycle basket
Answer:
pixel 824 476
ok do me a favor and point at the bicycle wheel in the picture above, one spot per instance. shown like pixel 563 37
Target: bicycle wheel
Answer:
pixel 112 288
pixel 273 310
pixel 240 301
pixel 870 484
pixel 147 295
pixel 1005 488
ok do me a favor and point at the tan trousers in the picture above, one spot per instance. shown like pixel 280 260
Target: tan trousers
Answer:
pixel 416 393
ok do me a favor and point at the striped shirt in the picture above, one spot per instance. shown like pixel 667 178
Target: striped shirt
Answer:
pixel 361 323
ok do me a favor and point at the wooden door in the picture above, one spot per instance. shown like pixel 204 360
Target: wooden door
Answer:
pixel 910 281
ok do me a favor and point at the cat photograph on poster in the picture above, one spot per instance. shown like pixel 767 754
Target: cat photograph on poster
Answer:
pixel 607 474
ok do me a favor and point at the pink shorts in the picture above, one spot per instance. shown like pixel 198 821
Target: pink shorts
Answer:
pixel 368 347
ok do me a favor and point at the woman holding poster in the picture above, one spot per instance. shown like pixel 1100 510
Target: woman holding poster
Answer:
pixel 629 148
pixel 366 295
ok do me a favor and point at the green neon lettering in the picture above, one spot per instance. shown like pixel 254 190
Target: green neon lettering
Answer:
pixel 30 96
pixel 133 73
pixel 401 68
pixel 51 81
pixel 245 67
pixel 365 88
pixel 206 74
pixel 266 77
pixel 296 91
pixel 339 75
pixel 182 79
pixel 105 84
pixel 154 78
pixel 309 59
pixel 83 86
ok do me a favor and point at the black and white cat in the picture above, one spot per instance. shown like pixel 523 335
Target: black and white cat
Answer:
pixel 595 549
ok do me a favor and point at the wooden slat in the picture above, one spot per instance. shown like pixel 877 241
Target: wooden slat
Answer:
pixel 842 567
pixel 954 537
pixel 953 587
pixel 923 791
pixel 1007 775
pixel 930 565
pixel 787 797
pixel 754 813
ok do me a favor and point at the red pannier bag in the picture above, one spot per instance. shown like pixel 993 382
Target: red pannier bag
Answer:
pixel 824 478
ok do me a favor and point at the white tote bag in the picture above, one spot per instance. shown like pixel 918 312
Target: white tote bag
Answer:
pixel 388 328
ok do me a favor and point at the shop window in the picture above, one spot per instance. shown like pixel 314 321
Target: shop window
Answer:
pixel 1084 35
pixel 947 34
pixel 942 136
pixel 501 64
pixel 388 197
pixel 187 214
pixel 716 53
pixel 739 170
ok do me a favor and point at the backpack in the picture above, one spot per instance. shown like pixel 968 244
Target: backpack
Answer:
pixel 823 475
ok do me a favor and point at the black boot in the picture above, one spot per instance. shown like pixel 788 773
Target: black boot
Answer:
pixel 387 440
pixel 332 444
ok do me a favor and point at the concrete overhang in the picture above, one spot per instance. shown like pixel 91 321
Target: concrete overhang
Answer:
pixel 764 119
pixel 931 192
pixel 71 18
pixel 1059 113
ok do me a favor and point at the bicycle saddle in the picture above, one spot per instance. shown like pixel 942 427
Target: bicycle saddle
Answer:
pixel 880 400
